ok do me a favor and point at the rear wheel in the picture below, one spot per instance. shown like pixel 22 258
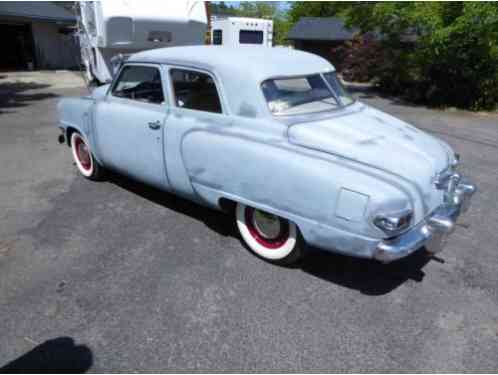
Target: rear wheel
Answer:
pixel 82 155
pixel 269 236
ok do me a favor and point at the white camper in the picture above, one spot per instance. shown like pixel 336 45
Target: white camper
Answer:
pixel 110 28
pixel 240 31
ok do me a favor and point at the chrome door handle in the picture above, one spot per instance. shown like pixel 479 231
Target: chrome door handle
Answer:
pixel 155 125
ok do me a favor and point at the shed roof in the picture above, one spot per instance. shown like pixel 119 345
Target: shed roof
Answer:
pixel 321 28
pixel 36 10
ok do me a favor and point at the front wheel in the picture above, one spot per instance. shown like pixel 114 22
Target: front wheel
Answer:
pixel 271 237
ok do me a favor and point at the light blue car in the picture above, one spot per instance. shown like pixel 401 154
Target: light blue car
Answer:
pixel 271 136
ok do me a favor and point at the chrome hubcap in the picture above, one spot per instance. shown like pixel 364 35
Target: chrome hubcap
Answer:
pixel 267 225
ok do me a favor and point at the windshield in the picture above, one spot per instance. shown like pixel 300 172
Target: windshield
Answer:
pixel 313 93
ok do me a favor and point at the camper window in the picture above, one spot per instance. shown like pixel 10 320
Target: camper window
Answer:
pixel 251 37
pixel 141 83
pixel 218 37
pixel 195 90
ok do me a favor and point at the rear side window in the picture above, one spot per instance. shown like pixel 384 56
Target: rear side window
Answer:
pixel 140 83
pixel 218 37
pixel 195 90
pixel 251 37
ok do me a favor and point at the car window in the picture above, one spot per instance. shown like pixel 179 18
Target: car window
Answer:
pixel 195 90
pixel 338 88
pixel 298 95
pixel 140 83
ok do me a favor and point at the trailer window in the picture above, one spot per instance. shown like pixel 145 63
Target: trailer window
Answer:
pixel 251 37
pixel 141 83
pixel 195 90
pixel 218 37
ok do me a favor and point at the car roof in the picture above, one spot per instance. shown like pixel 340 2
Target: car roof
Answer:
pixel 256 61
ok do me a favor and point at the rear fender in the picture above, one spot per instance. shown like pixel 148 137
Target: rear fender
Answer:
pixel 283 180
pixel 78 114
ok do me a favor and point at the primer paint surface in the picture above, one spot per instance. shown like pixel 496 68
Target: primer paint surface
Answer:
pixel 330 173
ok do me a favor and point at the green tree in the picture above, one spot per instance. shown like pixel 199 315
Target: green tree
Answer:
pixel 454 60
pixel 259 9
pixel 300 9
pixel 222 8
pixel 442 53
pixel 281 27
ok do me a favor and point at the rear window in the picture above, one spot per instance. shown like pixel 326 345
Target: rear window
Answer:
pixel 251 37
pixel 298 95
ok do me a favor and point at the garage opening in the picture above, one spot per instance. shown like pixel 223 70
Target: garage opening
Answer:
pixel 17 45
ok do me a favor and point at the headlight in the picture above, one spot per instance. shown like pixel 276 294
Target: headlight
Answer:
pixel 395 222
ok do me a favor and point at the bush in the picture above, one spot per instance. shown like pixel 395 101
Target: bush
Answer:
pixel 451 60
pixel 357 60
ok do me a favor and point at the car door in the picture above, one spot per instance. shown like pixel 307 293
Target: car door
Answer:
pixel 196 105
pixel 130 124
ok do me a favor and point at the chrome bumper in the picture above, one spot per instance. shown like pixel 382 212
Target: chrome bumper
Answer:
pixel 432 232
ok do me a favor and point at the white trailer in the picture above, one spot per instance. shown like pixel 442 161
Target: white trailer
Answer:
pixel 241 31
pixel 110 28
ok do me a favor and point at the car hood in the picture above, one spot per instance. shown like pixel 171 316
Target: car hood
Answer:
pixel 377 139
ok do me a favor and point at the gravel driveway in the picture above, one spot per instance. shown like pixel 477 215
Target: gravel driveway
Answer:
pixel 116 276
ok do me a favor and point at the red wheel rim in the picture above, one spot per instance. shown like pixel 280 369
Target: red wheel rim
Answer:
pixel 82 153
pixel 270 243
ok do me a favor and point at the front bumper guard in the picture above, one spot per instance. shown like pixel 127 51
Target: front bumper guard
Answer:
pixel 432 232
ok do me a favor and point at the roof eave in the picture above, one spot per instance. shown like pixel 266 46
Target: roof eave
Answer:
pixel 38 18
pixel 321 39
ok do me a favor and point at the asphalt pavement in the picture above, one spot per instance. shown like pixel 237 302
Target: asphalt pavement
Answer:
pixel 115 275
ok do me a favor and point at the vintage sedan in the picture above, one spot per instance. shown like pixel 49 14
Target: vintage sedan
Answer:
pixel 272 136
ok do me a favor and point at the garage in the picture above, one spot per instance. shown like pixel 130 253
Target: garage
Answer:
pixel 17 43
pixel 30 30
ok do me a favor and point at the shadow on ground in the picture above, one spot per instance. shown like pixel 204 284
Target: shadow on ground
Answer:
pixel 13 94
pixel 59 355
pixel 367 276
pixel 218 221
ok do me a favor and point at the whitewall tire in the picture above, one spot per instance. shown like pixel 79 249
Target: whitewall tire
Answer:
pixel 271 237
pixel 83 158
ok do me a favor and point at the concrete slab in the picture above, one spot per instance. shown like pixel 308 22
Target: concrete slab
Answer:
pixel 55 79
